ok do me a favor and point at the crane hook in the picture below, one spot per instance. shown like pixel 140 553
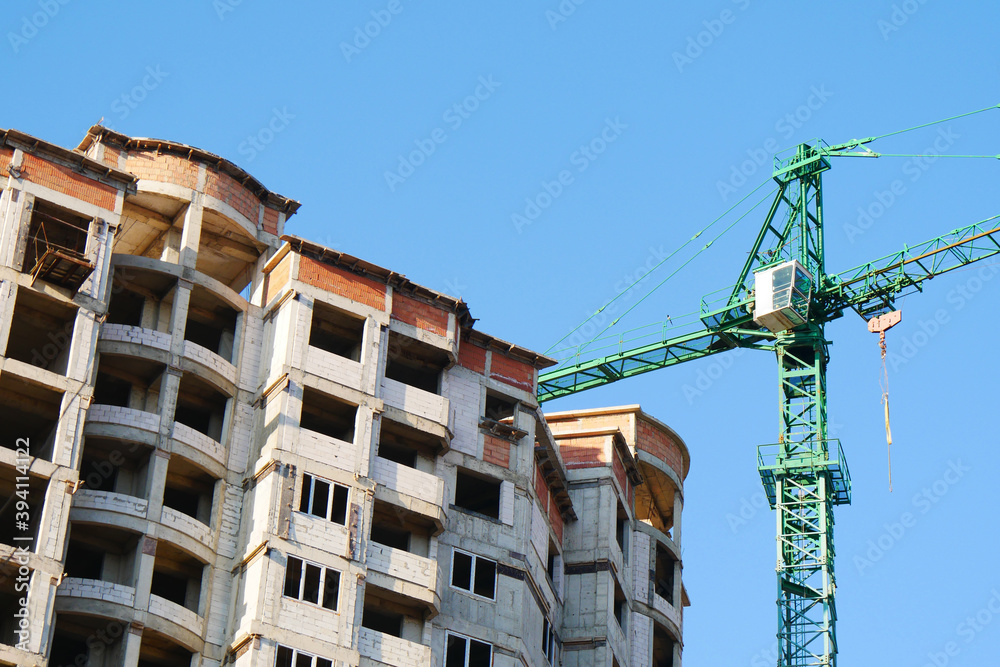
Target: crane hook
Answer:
pixel 880 325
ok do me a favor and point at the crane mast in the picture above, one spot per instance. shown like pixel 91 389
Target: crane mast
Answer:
pixel 782 302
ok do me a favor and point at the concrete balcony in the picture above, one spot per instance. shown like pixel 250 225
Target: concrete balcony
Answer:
pixel 186 525
pixel 402 565
pixel 410 488
pixel 214 364
pixel 670 611
pixel 333 367
pixel 95 589
pixel 334 452
pixel 388 650
pixel 88 499
pixel 124 417
pixel 415 401
pixel 176 621
pixel 200 442
pixel 313 531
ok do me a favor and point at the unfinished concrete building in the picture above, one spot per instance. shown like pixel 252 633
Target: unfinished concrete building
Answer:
pixel 224 445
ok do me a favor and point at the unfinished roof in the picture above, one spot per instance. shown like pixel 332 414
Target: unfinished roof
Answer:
pixel 108 137
pixel 99 171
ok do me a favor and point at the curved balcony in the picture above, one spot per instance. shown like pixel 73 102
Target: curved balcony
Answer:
pixel 211 366
pixel 107 501
pixel 178 622
pixel 187 525
pixel 94 597
pixel 126 333
pixel 200 442
pixel 123 423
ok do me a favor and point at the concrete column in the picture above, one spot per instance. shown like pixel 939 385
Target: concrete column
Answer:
pixel 678 587
pixel 178 315
pixel 191 232
pixel 157 482
pixel 677 655
pixel 144 562
pixel 131 643
pixel 678 509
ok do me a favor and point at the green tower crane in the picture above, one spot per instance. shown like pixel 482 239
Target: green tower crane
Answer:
pixel 782 301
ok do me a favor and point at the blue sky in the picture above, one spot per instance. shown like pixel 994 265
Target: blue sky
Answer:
pixel 679 98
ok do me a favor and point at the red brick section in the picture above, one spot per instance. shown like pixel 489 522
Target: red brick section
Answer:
pixel 541 488
pixel 496 450
pixel 277 278
pixel 472 357
pixel 111 156
pixel 586 452
pixel 347 284
pixel 419 314
pixel 5 158
pixel 225 188
pixel 163 168
pixel 512 372
pixel 660 445
pixel 555 518
pixel 68 182
pixel 270 220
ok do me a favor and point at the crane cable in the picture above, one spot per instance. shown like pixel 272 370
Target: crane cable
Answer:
pixel 659 264
pixel 936 122
pixel 884 384
pixel 677 270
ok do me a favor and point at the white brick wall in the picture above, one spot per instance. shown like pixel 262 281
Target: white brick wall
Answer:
pixel 113 414
pixel 334 367
pixel 172 611
pixel 330 451
pixel 464 392
pixel 415 401
pixel 114 502
pixel 642 641
pixel 507 503
pixel 409 481
pixel 241 438
pixel 210 360
pixel 309 619
pixel 539 533
pixel 125 333
pixel 402 565
pixel 640 566
pixel 199 441
pixel 252 346
pixel 392 650
pixel 229 531
pixel 187 525
pixel 95 589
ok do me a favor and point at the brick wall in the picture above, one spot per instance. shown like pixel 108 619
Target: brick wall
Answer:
pixel 472 357
pixel 660 445
pixel 227 189
pixel 332 279
pixel 587 452
pixel 555 518
pixel 512 372
pixel 270 220
pixel 619 469
pixel 277 278
pixel 541 488
pixel 5 158
pixel 496 450
pixel 110 157
pixel 419 314
pixel 163 168
pixel 68 182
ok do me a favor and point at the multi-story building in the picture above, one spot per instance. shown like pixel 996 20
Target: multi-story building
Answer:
pixel 224 445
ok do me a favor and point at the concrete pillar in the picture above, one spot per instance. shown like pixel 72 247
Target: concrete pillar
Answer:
pixel 131 644
pixel 191 232
pixel 678 509
pixel 156 483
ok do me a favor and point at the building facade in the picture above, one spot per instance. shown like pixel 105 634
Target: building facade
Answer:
pixel 226 445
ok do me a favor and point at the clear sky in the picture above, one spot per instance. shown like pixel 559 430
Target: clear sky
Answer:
pixel 674 99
